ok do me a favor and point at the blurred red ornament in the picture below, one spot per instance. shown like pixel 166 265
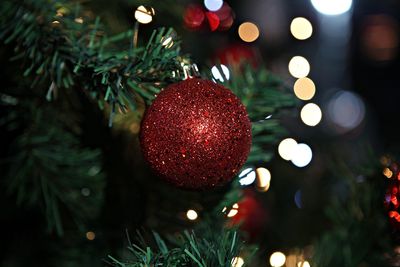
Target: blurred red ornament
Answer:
pixel 196 134
pixel 194 16
pixel 226 17
pixel 236 54
pixel 213 20
pixel 251 215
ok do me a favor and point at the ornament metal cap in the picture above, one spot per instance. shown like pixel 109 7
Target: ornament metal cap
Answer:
pixel 189 70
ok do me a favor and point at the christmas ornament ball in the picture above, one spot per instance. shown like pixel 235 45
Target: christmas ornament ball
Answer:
pixel 196 134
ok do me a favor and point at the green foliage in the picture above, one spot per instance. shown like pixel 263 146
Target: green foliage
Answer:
pixel 48 168
pixel 212 250
pixel 63 47
pixel 358 231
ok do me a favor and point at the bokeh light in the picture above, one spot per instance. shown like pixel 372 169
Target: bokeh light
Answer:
pixel 387 172
pixel 346 110
pixel 192 215
pixel 299 67
pixel 167 42
pixel 232 212
pixel 286 148
pixel 301 28
pixel 90 235
pixel 311 114
pixel 263 179
pixel 144 15
pixel 380 37
pixel 248 32
pixel 298 199
pixel 303 264
pixel 216 73
pixel 277 259
pixel 304 88
pixel 332 7
pixel 302 155
pixel 247 176
pixel 237 262
pixel 213 5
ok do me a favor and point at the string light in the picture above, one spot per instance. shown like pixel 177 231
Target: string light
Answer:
pixel 237 262
pixel 216 72
pixel 248 32
pixel 277 259
pixel 247 176
pixel 301 28
pixel 191 215
pixel 263 179
pixel 304 88
pixel 90 235
pixel 167 42
pixel 233 211
pixel 311 114
pixel 144 15
pixel 299 67
pixel 286 148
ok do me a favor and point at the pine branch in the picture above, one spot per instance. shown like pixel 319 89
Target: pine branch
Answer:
pixel 358 231
pixel 49 169
pixel 61 47
pixel 212 250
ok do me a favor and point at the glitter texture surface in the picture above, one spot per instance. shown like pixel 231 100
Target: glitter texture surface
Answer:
pixel 196 134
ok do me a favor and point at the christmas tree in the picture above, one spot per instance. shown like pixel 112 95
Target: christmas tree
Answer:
pixel 167 133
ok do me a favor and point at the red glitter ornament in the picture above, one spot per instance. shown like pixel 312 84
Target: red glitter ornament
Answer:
pixel 196 134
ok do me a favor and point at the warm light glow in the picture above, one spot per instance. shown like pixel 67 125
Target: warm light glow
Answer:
pixel 304 88
pixel 237 262
pixel 332 7
pixel 299 67
pixel 346 110
pixel 301 28
pixel 191 215
pixel 388 173
pixel 311 114
pixel 79 20
pixel 144 15
pixel 247 176
pixel 248 32
pixel 286 148
pixel 213 5
pixel 232 213
pixel 277 259
pixel 167 42
pixel 302 155
pixel 90 235
pixel 303 264
pixel 263 179
pixel 216 72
